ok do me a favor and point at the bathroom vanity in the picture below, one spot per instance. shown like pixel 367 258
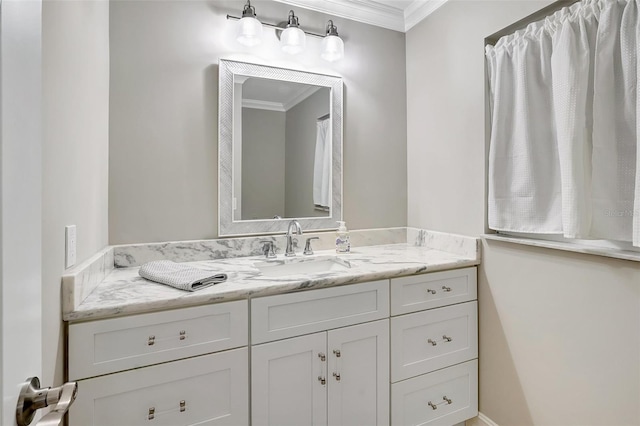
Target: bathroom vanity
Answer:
pixel 391 340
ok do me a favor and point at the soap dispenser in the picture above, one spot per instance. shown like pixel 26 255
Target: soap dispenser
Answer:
pixel 343 245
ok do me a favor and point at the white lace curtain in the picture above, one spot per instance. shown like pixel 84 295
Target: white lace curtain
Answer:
pixel 565 118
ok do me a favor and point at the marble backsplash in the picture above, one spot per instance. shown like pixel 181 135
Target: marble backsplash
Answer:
pixel 451 243
pixel 80 281
pixel 191 251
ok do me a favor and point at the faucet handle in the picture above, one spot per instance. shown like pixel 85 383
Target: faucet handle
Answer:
pixel 307 247
pixel 268 249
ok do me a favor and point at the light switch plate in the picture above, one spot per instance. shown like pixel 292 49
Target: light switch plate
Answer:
pixel 70 246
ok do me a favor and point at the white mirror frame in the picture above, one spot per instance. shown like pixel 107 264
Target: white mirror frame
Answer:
pixel 227 226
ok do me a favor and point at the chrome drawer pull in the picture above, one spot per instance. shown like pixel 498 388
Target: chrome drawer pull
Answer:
pixel 337 376
pixel 151 341
pixel 321 377
pixel 445 400
pixel 337 353
pixel 445 288
pixel 445 339
pixel 431 291
pixel 183 335
pixel 153 413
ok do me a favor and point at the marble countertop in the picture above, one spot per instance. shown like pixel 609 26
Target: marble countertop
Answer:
pixel 124 292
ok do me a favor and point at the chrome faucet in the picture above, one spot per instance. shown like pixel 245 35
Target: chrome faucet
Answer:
pixel 294 224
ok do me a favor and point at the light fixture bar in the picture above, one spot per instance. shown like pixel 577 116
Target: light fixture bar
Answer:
pixel 276 27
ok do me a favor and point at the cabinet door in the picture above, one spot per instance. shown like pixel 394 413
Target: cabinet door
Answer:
pixel 359 374
pixel 287 382
pixel 206 390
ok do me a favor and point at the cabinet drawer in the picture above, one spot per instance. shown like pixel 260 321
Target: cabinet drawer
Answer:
pixel 288 315
pixel 420 292
pixel 413 400
pixel 434 339
pixel 106 346
pixel 210 389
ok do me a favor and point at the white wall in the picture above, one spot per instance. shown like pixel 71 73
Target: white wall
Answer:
pixel 163 130
pixel 559 332
pixel 75 45
pixel 263 163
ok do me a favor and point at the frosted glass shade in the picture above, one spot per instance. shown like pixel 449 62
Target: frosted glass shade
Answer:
pixel 332 48
pixel 293 40
pixel 249 31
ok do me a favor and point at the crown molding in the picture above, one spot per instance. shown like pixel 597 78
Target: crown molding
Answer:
pixel 418 10
pixel 266 105
pixel 281 106
pixel 300 96
pixel 372 12
pixel 357 10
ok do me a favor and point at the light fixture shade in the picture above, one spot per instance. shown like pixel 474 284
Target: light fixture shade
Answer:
pixel 293 40
pixel 332 48
pixel 249 31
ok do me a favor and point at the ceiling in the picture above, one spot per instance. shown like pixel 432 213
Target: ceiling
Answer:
pixel 398 15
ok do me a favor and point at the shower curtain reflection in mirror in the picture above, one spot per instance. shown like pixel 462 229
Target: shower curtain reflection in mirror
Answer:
pixel 322 165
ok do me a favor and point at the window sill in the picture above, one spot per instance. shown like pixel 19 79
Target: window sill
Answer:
pixel 567 246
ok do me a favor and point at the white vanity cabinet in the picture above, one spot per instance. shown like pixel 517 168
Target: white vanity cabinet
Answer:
pixel 338 374
pixel 181 367
pixel 400 352
pixel 434 348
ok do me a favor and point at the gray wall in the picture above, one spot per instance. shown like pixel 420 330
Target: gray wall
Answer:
pixel 559 332
pixel 75 86
pixel 301 152
pixel 163 110
pixel 263 163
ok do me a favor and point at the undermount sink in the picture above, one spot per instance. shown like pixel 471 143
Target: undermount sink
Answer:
pixel 294 266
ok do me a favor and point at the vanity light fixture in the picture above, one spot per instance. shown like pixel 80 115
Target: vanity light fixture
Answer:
pixel 332 44
pixel 292 37
pixel 249 28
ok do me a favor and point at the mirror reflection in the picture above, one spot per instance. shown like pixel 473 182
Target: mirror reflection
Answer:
pixel 282 149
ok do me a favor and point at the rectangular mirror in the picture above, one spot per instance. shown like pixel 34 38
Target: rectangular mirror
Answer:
pixel 280 149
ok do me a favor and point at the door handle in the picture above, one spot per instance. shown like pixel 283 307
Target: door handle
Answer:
pixel 33 398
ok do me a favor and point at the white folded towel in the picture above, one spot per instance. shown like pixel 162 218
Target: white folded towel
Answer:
pixel 182 277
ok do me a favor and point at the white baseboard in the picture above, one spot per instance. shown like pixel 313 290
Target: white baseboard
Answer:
pixel 481 420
